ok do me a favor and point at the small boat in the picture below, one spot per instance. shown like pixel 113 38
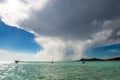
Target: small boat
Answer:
pixel 17 61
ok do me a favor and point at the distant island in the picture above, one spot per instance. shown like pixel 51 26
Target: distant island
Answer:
pixel 98 59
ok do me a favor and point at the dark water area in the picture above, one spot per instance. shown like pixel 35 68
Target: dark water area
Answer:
pixel 99 70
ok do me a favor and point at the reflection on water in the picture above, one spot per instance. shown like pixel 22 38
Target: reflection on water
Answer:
pixel 60 71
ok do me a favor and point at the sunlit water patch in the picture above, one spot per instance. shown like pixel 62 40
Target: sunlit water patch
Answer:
pixel 109 70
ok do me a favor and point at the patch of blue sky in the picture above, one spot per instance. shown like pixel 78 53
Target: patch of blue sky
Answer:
pixel 17 40
pixel 99 52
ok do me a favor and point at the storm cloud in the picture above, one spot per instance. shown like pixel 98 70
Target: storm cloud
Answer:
pixel 72 18
pixel 64 28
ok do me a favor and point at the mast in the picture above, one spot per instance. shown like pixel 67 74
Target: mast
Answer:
pixel 52 61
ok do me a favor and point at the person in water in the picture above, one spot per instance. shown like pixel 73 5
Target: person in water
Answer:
pixel 83 62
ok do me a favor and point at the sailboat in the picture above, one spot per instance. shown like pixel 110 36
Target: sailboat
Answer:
pixel 52 61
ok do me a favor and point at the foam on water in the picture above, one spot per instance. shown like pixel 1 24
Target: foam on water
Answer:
pixel 61 71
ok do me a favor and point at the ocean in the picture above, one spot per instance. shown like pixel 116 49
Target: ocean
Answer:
pixel 93 70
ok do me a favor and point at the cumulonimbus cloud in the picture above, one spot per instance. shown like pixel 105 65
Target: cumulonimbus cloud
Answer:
pixel 64 28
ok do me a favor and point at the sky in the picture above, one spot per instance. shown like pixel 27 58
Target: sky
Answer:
pixel 17 40
pixel 43 30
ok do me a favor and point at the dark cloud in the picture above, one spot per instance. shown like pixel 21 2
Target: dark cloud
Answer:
pixel 114 25
pixel 115 35
pixel 72 19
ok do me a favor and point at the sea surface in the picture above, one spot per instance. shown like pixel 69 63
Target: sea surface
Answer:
pixel 99 70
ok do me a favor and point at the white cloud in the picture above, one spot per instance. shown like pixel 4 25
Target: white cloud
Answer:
pixel 114 50
pixel 8 56
pixel 59 49
pixel 53 48
pixel 57 26
pixel 100 38
pixel 109 35
pixel 15 11
pixel 118 33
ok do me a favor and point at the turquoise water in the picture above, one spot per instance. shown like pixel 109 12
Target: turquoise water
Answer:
pixel 109 70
